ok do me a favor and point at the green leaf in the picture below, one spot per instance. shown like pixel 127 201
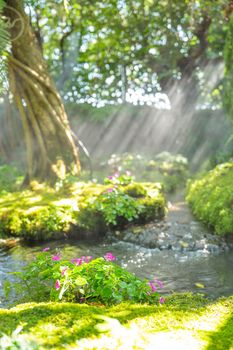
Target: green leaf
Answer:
pixel 80 281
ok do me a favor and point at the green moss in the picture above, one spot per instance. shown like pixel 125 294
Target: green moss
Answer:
pixel 154 208
pixel 211 198
pixel 182 318
pixel 135 190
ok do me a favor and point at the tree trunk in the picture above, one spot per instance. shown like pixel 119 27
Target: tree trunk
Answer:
pixel 51 151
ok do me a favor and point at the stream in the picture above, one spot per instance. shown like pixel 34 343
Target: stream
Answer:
pixel 198 270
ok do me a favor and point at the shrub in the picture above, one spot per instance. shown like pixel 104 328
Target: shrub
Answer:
pixel 211 198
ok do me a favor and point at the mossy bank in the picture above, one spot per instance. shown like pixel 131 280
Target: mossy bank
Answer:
pixel 211 198
pixel 184 321
pixel 78 209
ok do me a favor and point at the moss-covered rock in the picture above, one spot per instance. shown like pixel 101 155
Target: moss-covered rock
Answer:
pixel 211 198
pixel 135 190
pixel 116 208
pixel 77 209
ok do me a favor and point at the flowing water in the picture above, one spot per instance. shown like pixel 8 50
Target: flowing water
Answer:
pixel 178 271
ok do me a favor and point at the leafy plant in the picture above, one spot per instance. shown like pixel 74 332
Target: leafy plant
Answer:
pixel 115 204
pixel 83 280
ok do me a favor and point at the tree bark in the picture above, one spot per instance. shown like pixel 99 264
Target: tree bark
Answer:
pixel 51 151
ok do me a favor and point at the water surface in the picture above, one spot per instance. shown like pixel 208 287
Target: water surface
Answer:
pixel 179 271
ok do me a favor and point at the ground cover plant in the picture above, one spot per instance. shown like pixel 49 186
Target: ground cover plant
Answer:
pixel 100 280
pixel 211 198
pixel 72 207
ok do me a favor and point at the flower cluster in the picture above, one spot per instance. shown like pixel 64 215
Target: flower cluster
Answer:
pixel 56 257
pixel 109 257
pixel 66 275
pixel 84 279
pixel 119 179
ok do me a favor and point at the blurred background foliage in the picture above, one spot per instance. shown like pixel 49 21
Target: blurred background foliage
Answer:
pixel 173 57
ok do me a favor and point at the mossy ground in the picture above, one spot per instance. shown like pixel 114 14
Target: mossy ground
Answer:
pixel 211 198
pixel 185 321
pixel 42 212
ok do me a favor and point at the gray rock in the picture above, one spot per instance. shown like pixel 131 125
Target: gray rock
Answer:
pixel 180 237
pixel 188 236
pixel 200 245
pixel 213 248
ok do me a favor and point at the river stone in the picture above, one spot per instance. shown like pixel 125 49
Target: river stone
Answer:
pixel 213 248
pixel 178 237
pixel 188 236
pixel 200 245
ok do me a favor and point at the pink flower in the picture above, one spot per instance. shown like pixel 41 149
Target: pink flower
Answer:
pixel 109 257
pixel 128 173
pixel 161 300
pixel 88 259
pixel 58 285
pixel 64 271
pixel 110 177
pixel 110 190
pixel 77 262
pixel 56 257
pixel 152 286
pixel 46 249
pixel 116 174
pixel 159 283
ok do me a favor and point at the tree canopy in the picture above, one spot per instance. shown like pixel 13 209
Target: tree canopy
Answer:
pixel 165 53
pixel 109 51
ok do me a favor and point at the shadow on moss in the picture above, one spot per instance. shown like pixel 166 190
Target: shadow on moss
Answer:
pixel 55 325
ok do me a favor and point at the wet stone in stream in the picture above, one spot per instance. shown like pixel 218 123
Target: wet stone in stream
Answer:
pixel 173 236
